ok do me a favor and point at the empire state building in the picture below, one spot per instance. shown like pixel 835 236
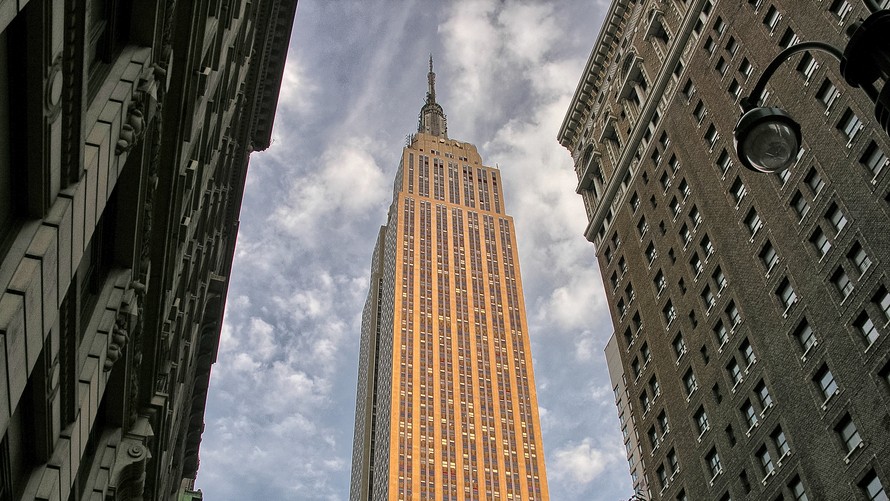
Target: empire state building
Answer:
pixel 446 405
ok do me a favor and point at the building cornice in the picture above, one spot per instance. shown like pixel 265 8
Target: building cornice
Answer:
pixel 597 62
pixel 630 148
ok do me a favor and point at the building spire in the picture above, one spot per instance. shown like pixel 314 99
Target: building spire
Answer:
pixel 431 77
pixel 432 118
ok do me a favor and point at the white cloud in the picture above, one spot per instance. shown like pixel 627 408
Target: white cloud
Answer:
pixel 347 187
pixel 580 463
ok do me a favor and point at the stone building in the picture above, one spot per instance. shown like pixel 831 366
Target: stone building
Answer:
pixel 750 347
pixel 126 130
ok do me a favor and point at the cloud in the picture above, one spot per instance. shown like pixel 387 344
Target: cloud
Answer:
pixel 348 186
pixel 283 391
pixel 580 463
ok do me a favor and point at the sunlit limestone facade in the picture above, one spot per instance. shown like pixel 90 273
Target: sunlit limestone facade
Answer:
pixel 446 405
pixel 750 311
pixel 125 133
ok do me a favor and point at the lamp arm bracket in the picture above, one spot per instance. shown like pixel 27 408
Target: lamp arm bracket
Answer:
pixel 753 100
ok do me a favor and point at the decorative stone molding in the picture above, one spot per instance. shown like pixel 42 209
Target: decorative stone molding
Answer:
pixel 52 99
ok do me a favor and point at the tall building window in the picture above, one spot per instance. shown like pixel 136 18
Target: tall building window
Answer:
pixel 642 227
pixel 720 333
pixel 695 216
pixel 647 355
pixel 654 387
pixel 788 39
pixel 662 477
pixel 797 490
pixel 679 346
pixel 827 93
pixel 701 421
pixel 719 279
pixel 753 222
pixel 734 89
pixel 651 253
pixel 766 400
pixel 820 242
pixel 849 125
pixel 644 403
pixel 750 415
pixel 732 46
pixel 766 461
pixel 708 298
pixel 675 207
pixel 696 264
pixel 874 159
pixel 859 258
pixel 840 8
pixel 684 189
pixel 711 136
pixel 848 433
pixel 836 217
pixel 786 294
pixel 872 488
pixel 825 381
pixel 635 203
pixel 771 19
pixel 780 442
pixel 800 205
pixel 724 162
pixel 713 461
pixel 688 90
pixel 707 246
pixel 686 235
pixel 660 283
pixel 814 181
pixel 720 26
pixel 807 66
pixel 747 352
pixel 735 372
pixel 768 256
pixel 670 313
pixel 738 191
pixel 804 336
pixel 745 67
pixel 721 68
pixel 689 382
pixel 732 311
pixel 709 45
pixel 842 282
pixel 672 461
pixel 866 328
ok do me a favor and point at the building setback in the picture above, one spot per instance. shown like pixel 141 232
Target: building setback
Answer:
pixel 446 405
pixel 125 131
pixel 750 353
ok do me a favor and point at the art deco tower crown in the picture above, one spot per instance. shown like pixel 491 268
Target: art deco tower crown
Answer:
pixel 432 118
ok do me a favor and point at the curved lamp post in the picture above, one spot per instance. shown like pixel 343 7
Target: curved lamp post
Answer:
pixel 768 139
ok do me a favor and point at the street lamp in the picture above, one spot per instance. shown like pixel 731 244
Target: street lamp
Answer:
pixel 768 139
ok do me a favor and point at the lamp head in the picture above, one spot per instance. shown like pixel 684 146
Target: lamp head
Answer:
pixel 767 139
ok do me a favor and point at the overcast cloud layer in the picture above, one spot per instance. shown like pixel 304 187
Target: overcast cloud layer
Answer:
pixel 280 412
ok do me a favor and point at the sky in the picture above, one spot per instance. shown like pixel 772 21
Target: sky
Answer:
pixel 280 411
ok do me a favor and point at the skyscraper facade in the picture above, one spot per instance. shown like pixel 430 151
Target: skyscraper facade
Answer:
pixel 446 405
pixel 750 354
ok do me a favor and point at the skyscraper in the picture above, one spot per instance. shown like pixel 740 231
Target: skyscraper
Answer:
pixel 750 352
pixel 446 405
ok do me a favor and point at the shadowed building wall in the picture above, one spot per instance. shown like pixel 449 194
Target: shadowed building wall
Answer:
pixel 125 131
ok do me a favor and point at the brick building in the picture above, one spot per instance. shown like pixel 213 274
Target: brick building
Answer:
pixel 750 311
